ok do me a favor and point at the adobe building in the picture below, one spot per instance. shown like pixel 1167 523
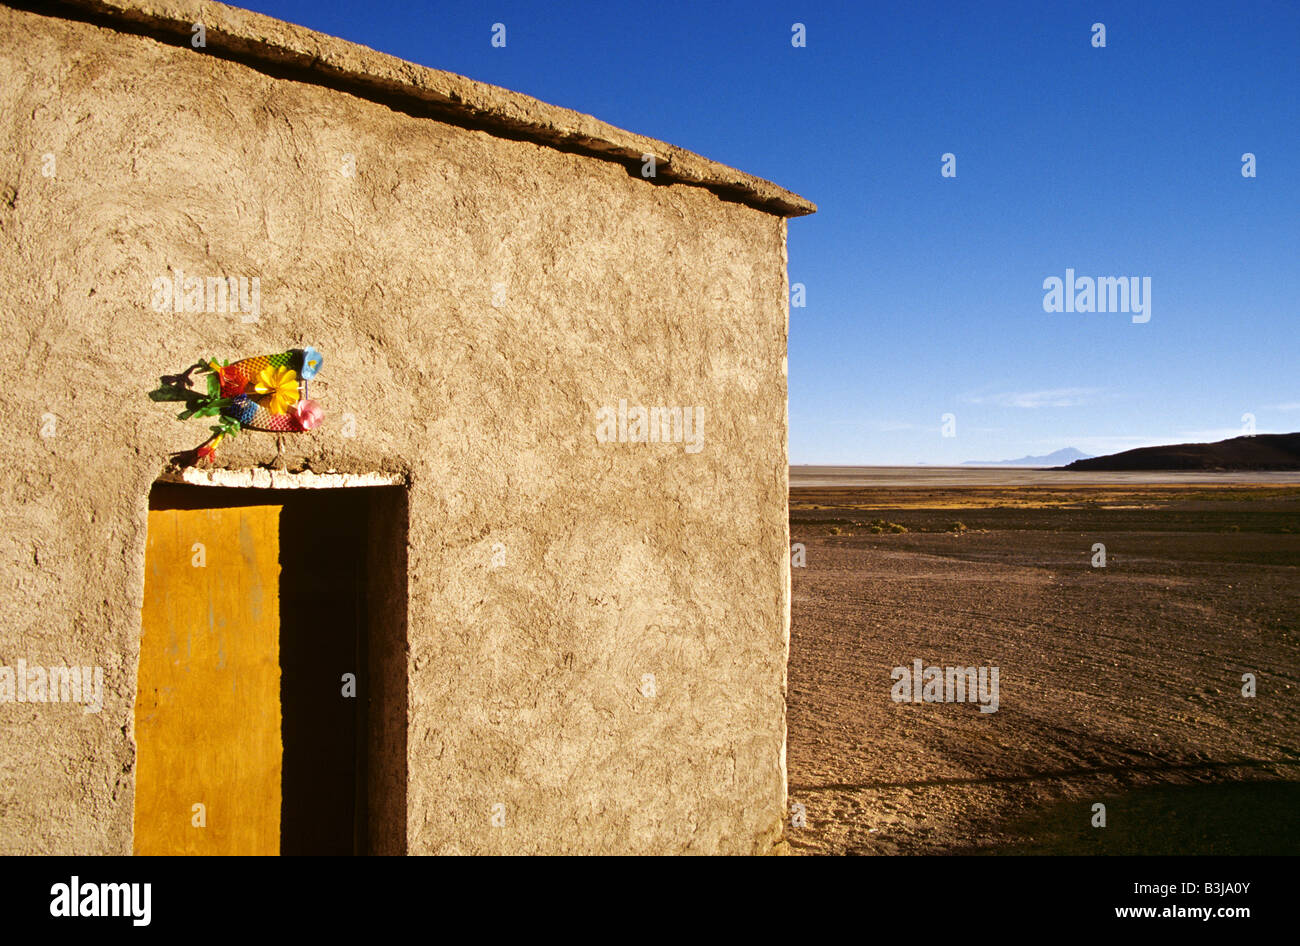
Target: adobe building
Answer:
pixel 525 588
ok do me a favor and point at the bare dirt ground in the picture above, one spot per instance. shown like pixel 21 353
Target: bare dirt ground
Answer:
pixel 1119 685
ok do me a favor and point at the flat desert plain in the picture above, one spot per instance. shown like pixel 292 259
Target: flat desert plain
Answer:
pixel 1119 686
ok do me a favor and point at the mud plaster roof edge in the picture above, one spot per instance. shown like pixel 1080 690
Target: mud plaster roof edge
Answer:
pixel 251 37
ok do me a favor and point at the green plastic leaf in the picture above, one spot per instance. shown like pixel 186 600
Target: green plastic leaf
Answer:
pixel 228 426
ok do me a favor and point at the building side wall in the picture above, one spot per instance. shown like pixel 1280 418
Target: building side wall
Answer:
pixel 477 300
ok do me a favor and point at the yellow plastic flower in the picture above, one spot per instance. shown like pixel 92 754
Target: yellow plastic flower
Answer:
pixel 282 386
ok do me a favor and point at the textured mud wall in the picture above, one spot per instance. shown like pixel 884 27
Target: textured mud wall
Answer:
pixel 597 631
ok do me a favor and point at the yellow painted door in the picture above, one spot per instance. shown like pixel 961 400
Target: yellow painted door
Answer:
pixel 207 713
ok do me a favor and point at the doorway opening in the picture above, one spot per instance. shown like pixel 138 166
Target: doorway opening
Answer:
pixel 271 696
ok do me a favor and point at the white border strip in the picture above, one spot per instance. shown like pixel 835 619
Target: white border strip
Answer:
pixel 277 479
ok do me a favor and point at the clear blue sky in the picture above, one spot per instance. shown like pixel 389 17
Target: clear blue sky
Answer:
pixel 925 294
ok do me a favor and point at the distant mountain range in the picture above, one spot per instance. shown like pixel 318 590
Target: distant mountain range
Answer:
pixel 1260 452
pixel 1059 458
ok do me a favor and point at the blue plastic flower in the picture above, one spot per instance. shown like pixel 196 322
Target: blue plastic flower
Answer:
pixel 311 362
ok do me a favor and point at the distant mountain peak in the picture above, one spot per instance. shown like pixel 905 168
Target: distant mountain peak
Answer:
pixel 1057 458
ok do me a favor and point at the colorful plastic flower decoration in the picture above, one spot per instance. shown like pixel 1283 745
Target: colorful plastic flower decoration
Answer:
pixel 267 392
